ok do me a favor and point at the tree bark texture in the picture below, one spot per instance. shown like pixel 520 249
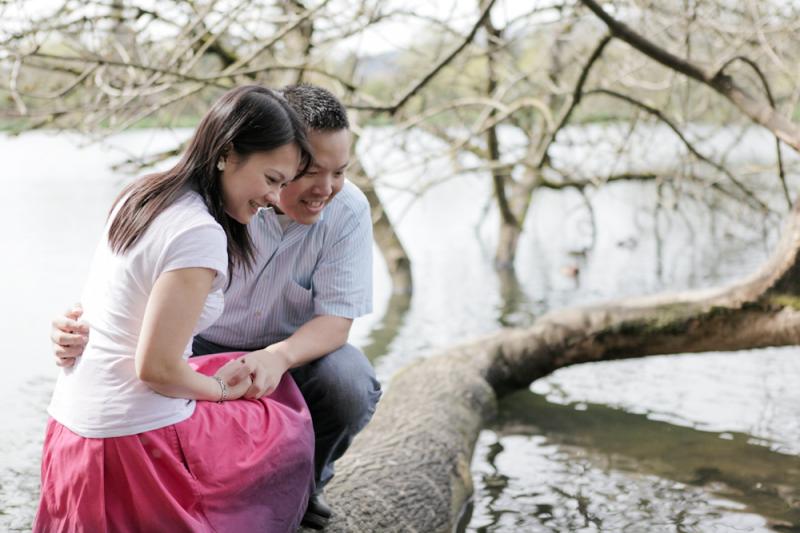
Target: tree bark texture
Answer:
pixel 394 254
pixel 508 238
pixel 410 469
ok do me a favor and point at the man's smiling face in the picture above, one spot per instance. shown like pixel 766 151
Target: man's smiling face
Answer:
pixel 304 198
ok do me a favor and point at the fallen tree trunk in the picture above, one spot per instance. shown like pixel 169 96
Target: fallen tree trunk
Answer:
pixel 410 469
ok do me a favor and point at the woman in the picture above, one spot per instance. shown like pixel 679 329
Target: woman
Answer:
pixel 140 439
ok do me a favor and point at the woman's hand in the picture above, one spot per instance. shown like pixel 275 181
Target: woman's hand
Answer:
pixel 236 376
pixel 267 367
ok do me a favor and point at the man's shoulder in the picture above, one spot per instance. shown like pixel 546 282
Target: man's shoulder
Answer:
pixel 349 202
pixel 352 196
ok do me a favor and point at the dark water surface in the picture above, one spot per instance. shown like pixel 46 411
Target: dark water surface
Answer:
pixel 587 467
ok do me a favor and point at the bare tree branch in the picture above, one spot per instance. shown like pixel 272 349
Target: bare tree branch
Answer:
pixel 418 85
pixel 768 91
pixel 759 112
pixel 749 195
pixel 577 94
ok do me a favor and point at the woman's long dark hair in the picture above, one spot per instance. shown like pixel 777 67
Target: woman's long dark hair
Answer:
pixel 247 119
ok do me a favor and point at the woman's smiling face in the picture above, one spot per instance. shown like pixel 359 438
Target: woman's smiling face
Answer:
pixel 254 181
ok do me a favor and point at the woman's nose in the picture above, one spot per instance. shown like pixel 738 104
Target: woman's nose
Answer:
pixel 272 195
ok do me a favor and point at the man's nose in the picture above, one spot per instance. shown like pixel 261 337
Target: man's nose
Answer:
pixel 323 185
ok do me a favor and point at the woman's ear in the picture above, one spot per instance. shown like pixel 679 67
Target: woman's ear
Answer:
pixel 223 158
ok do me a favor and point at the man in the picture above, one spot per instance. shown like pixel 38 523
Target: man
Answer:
pixel 312 275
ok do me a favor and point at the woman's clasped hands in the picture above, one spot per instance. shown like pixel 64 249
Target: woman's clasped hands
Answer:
pixel 237 378
pixel 255 374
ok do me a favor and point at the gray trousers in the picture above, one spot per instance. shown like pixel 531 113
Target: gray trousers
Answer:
pixel 341 392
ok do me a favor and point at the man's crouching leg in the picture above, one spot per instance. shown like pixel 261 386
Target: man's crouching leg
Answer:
pixel 341 392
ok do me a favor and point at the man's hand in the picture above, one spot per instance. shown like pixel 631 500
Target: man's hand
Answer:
pixel 237 377
pixel 267 367
pixel 69 336
pixel 319 336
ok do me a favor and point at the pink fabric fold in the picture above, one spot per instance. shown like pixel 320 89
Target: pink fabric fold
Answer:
pixel 243 465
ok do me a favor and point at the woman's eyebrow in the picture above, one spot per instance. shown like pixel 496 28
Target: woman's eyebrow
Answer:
pixel 278 172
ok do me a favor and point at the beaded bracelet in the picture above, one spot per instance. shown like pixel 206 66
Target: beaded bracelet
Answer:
pixel 223 389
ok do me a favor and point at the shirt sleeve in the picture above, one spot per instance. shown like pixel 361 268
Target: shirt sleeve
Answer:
pixel 203 246
pixel 342 281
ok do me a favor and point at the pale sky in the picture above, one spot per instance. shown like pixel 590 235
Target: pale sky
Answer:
pixel 462 14
pixel 384 37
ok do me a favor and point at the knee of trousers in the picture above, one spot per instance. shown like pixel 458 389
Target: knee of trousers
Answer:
pixel 350 391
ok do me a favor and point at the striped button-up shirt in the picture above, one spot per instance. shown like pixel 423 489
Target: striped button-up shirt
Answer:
pixel 301 272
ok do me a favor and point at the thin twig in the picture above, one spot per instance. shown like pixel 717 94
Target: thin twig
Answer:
pixel 663 118
pixel 760 113
pixel 781 172
pixel 415 87
pixel 577 94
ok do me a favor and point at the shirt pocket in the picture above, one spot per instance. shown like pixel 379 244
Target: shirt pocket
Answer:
pixel 299 303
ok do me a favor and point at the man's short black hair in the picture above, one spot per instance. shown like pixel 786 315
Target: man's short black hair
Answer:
pixel 318 107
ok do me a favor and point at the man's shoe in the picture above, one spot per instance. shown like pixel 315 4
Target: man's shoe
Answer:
pixel 318 512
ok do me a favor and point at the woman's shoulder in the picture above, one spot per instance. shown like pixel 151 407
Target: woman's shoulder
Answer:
pixel 186 235
pixel 185 221
pixel 189 210
pixel 192 203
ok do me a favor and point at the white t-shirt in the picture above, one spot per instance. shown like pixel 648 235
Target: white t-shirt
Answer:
pixel 100 396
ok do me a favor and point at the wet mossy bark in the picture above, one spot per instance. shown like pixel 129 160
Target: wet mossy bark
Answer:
pixel 409 470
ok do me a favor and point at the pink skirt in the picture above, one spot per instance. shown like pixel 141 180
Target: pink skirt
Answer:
pixel 244 465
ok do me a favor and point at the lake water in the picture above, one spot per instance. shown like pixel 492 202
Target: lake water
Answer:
pixel 675 443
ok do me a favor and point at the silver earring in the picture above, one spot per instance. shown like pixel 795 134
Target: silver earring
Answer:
pixel 221 165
